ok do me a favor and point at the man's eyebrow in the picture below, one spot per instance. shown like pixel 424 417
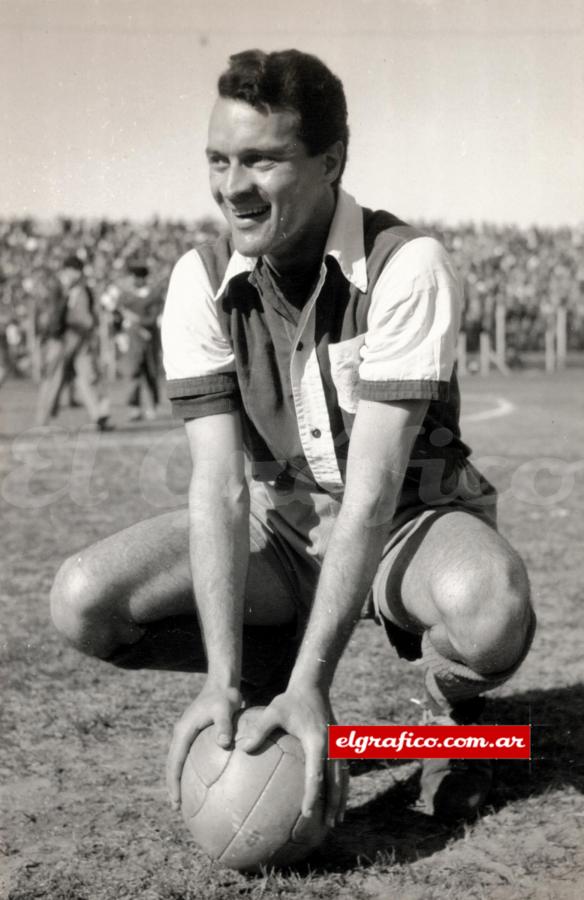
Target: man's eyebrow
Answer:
pixel 267 150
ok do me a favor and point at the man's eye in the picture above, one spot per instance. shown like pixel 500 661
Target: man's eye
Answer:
pixel 217 162
pixel 260 162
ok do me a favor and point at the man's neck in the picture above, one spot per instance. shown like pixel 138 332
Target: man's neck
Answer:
pixel 294 285
pixel 307 253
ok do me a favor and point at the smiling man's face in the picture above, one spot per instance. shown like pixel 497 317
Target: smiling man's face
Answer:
pixel 274 196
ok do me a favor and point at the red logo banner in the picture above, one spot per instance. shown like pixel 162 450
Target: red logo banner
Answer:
pixel 429 741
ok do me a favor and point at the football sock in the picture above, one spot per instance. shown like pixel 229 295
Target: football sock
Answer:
pixel 449 683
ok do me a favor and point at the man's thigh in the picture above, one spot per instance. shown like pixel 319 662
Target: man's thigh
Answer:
pixel 437 545
pixel 146 569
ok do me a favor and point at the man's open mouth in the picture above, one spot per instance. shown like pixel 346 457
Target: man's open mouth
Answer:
pixel 254 212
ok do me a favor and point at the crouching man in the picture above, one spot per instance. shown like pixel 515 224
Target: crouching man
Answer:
pixel 316 341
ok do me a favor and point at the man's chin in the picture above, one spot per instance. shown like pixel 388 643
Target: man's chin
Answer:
pixel 249 246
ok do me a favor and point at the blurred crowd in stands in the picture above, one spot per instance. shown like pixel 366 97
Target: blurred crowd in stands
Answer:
pixel 32 254
pixel 531 271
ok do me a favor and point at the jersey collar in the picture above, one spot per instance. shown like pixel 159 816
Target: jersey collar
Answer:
pixel 345 243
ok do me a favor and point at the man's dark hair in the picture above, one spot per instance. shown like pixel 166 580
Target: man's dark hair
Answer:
pixel 295 81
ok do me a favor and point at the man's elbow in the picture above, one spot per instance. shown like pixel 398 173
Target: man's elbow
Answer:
pixel 370 509
pixel 227 491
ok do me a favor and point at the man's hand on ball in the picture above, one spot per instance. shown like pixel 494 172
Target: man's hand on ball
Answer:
pixel 214 705
pixel 306 715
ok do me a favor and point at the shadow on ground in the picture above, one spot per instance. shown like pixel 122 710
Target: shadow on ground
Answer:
pixel 389 828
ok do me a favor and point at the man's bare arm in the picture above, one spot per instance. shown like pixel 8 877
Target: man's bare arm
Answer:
pixel 379 452
pixel 381 443
pixel 219 539
pixel 219 553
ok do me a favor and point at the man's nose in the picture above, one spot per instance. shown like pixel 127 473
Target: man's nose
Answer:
pixel 237 181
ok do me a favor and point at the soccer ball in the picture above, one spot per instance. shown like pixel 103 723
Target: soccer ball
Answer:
pixel 244 809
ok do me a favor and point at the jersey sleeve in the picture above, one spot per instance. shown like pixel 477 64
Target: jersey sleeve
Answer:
pixel 198 359
pixel 410 345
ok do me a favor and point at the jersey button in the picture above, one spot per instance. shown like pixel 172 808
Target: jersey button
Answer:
pixel 300 345
pixel 316 432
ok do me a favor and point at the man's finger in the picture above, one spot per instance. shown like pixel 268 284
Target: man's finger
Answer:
pixel 314 763
pixel 175 761
pixel 337 790
pixel 182 740
pixel 253 738
pixel 223 731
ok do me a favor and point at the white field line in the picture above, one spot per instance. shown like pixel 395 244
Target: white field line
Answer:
pixel 502 407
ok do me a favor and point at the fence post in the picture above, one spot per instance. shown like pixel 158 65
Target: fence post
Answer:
pixel 485 352
pixel 500 334
pixel 550 348
pixel 561 337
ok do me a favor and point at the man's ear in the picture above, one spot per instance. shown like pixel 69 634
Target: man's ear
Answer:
pixel 333 160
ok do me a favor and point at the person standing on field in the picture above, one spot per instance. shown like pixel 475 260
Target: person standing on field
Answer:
pixel 68 326
pixel 315 343
pixel 138 307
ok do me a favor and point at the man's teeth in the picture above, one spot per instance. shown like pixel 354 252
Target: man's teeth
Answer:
pixel 256 211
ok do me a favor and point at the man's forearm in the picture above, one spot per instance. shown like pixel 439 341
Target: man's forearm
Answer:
pixel 219 552
pixel 381 445
pixel 351 560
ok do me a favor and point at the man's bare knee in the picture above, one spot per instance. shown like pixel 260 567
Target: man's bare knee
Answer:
pixel 80 611
pixel 488 615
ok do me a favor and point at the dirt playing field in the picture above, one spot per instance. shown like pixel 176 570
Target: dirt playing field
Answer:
pixel 83 808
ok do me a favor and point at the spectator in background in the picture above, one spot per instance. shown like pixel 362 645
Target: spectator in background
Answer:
pixel 4 351
pixel 10 343
pixel 137 310
pixel 67 325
